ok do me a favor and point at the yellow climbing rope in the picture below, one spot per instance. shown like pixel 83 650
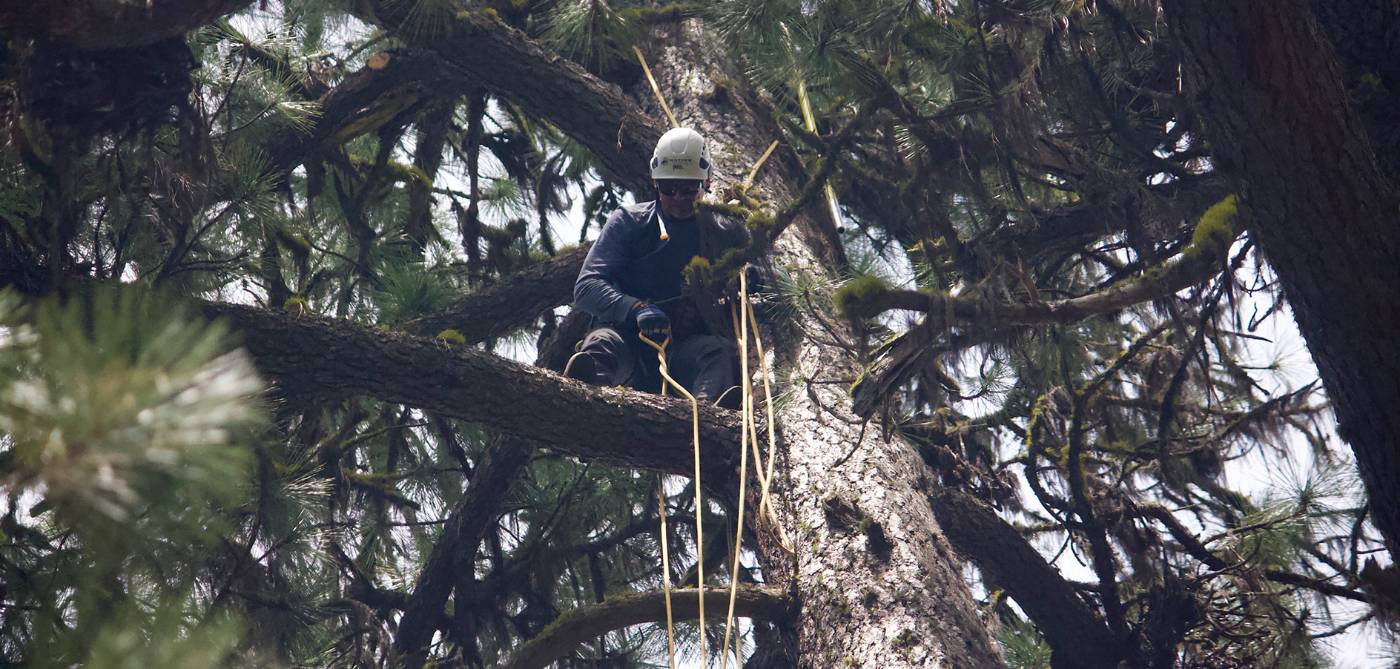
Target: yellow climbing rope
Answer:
pixel 753 171
pixel 747 426
pixel 764 508
pixel 655 88
pixel 748 439
pixel 746 407
pixel 743 317
pixel 751 437
pixel 809 121
pixel 666 573
pixel 699 500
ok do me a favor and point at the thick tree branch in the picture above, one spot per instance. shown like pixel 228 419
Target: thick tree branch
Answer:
pixel 1188 269
pixel 110 24
pixel 457 545
pixel 1075 634
pixel 363 589
pixel 994 320
pixel 1075 225
pixel 599 115
pixel 321 358
pixel 511 304
pixel 582 624
pixel 364 101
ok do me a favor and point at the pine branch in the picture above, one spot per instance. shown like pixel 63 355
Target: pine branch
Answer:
pixel 669 13
pixel 598 116
pixel 456 547
pixel 315 360
pixel 582 624
pixel 110 24
pixel 1197 549
pixel 513 303
pixel 1187 269
pixel 1073 631
pixel 364 101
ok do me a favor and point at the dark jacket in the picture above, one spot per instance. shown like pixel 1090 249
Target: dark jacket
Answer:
pixel 622 268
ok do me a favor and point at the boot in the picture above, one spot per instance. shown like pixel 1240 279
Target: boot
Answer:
pixel 732 398
pixel 582 367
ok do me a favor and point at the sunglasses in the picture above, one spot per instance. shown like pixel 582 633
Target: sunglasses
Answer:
pixel 678 189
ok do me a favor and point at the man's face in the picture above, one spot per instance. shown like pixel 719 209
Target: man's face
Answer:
pixel 678 196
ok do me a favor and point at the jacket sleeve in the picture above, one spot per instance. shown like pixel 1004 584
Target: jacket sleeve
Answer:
pixel 596 290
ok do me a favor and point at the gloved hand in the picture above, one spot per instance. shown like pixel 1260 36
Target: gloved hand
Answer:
pixel 653 323
pixel 756 279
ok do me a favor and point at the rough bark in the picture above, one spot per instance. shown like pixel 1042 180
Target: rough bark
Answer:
pixel 1325 217
pixel 311 357
pixel 110 24
pixel 1366 34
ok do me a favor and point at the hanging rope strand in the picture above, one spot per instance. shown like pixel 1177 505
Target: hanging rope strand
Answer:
pixel 746 405
pixel 666 572
pixel 655 88
pixel 749 427
pixel 764 478
pixel 765 509
pixel 699 499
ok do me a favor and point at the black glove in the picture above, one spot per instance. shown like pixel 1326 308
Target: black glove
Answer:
pixel 653 323
pixel 756 279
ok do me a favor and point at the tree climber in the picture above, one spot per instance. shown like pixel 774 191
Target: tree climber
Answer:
pixel 632 282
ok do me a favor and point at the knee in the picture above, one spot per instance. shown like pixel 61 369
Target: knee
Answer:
pixel 710 349
pixel 717 345
pixel 603 341
pixel 707 343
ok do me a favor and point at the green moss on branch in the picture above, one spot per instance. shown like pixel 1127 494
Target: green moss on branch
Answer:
pixel 862 297
pixel 1217 229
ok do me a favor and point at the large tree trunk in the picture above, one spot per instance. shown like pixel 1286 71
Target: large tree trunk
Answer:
pixel 1270 89
pixel 861 603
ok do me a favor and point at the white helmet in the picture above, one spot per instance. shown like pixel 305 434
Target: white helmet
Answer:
pixel 681 153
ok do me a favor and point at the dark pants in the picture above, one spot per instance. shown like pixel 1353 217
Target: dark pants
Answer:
pixel 705 365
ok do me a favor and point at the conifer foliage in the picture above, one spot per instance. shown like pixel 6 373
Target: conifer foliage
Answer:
pixel 268 272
